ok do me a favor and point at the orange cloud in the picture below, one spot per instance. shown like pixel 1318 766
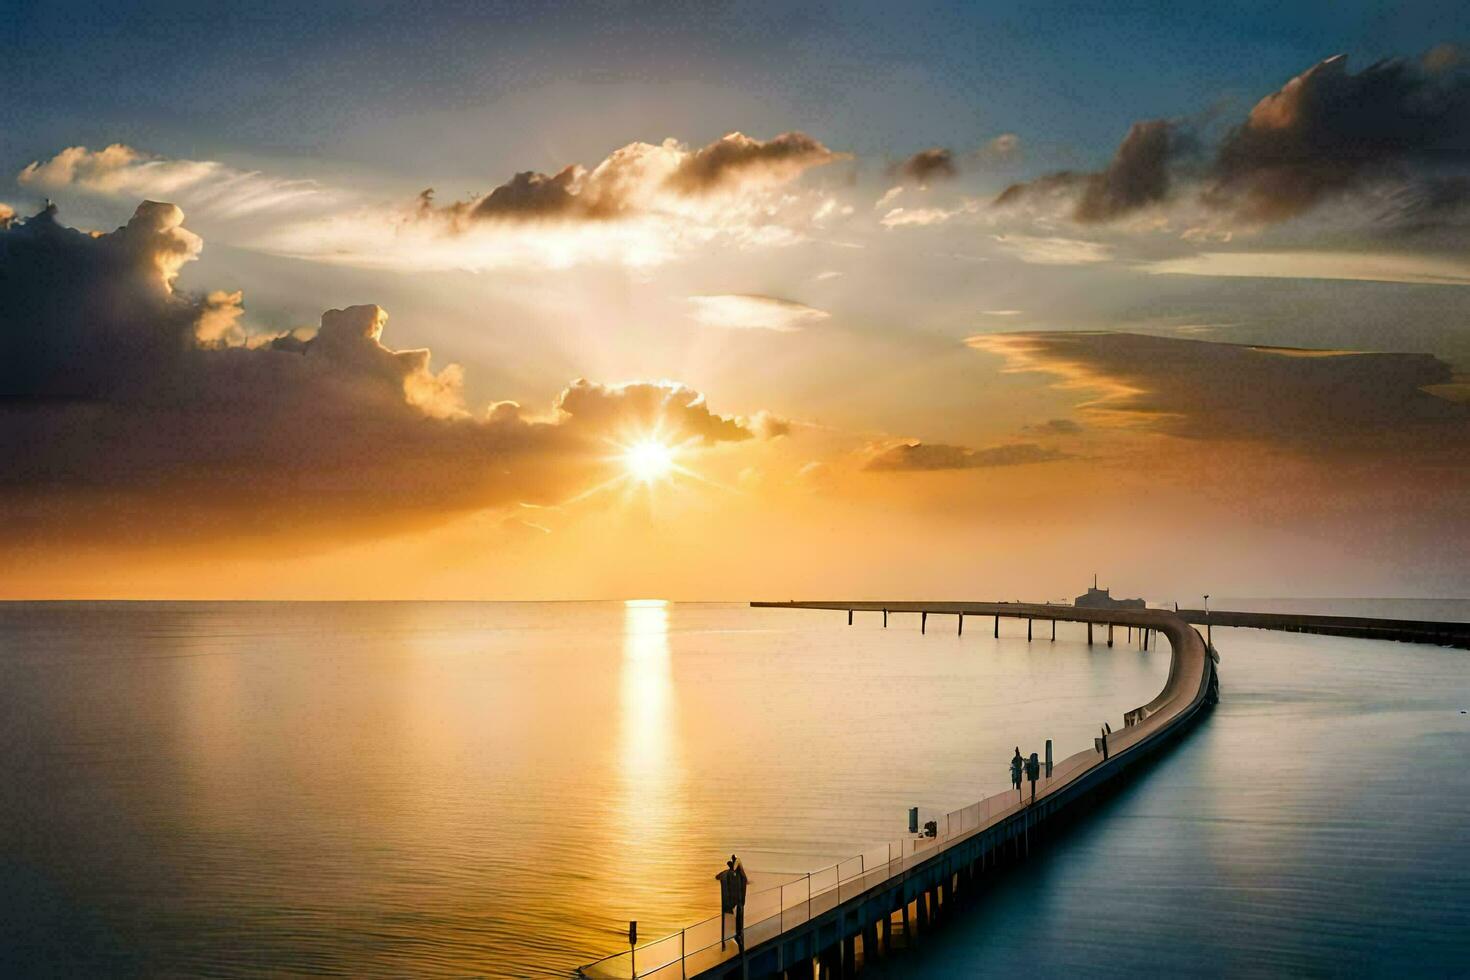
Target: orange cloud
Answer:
pixel 135 412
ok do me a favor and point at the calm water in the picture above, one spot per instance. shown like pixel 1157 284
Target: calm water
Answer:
pixel 476 788
pixel 246 789
pixel 1316 823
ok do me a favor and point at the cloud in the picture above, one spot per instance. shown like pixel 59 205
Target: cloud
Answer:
pixel 1137 177
pixel 736 160
pixel 1328 131
pixel 132 411
pixel 927 166
pixel 1306 401
pixel 920 217
pixel 925 456
pixel 889 196
pixel 1054 251
pixel 626 409
pixel 1363 266
pixel 121 171
pixel 754 312
pixel 642 177
pixel 1398 127
pixel 643 205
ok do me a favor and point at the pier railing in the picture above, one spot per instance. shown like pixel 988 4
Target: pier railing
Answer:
pixel 781 907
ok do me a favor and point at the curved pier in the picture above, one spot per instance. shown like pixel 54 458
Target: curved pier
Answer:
pixel 822 916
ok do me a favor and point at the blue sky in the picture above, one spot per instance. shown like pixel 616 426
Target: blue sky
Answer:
pixel 323 79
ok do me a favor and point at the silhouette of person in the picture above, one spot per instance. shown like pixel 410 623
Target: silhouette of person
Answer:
pixel 733 883
pixel 1017 764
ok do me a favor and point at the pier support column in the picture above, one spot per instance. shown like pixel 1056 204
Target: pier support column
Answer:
pixel 961 630
pixel 908 931
pixel 1028 629
pixel 923 622
pixel 997 627
pixel 887 928
pixel 849 617
pixel 1089 634
pixel 1110 635
pixel 885 619
pixel 849 956
pixel 921 912
pixel 870 943
pixel 1054 630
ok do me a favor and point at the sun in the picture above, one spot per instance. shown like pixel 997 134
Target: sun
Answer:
pixel 649 460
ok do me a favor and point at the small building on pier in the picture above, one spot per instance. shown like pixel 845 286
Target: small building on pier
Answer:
pixel 1096 598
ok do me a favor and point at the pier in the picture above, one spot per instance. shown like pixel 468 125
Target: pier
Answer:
pixel 1361 627
pixel 824 921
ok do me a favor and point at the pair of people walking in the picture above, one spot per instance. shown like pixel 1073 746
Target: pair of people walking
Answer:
pixel 1030 768
pixel 733 883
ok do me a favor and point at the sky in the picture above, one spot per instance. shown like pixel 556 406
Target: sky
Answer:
pixel 730 301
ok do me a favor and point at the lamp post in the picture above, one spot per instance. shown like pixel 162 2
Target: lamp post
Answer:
pixel 1208 641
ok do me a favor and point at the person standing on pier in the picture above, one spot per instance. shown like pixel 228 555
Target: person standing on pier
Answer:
pixel 733 882
pixel 1017 764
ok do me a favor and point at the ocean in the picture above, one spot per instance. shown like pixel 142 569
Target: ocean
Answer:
pixel 250 789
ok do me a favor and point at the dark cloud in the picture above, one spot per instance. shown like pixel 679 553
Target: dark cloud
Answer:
pixel 633 178
pixel 530 194
pixel 736 158
pixel 926 166
pixel 918 456
pixel 1137 177
pixel 127 412
pixel 1328 131
pixel 1325 133
pixel 680 412
pixel 1313 401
